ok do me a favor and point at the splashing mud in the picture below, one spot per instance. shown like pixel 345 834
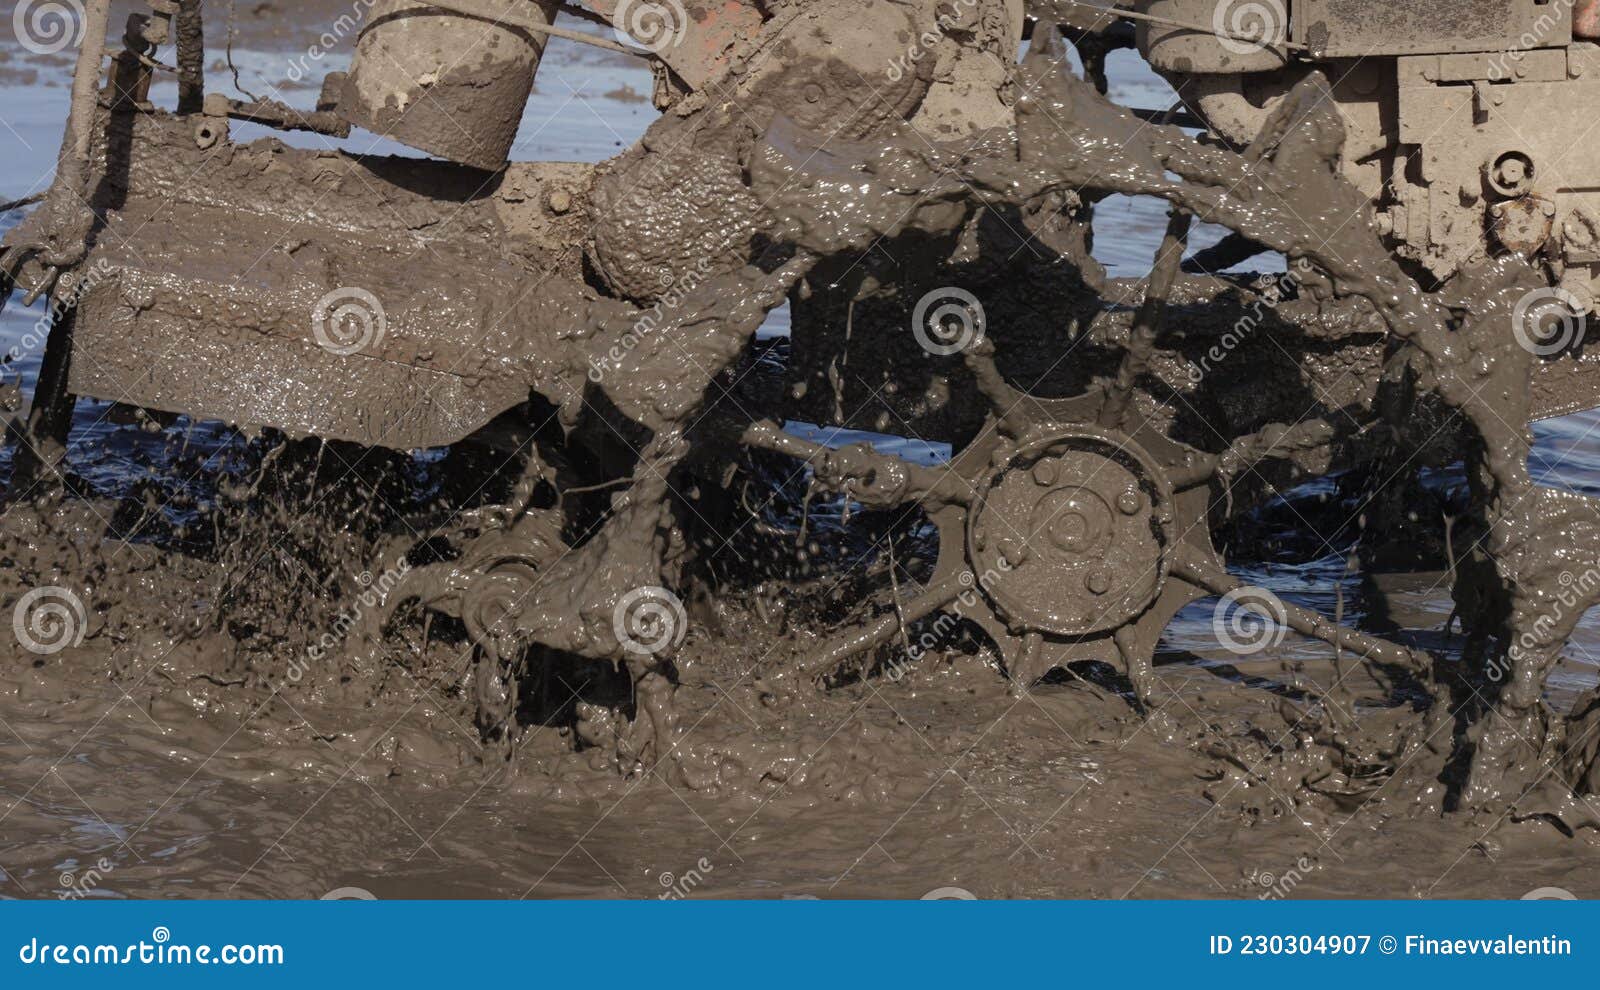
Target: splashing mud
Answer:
pixel 1178 585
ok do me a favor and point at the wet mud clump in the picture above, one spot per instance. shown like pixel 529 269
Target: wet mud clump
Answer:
pixel 543 509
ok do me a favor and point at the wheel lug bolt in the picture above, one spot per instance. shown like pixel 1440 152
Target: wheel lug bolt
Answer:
pixel 1046 472
pixel 1015 553
pixel 1098 583
pixel 1130 502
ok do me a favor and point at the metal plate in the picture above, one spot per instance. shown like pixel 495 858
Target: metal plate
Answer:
pixel 1360 28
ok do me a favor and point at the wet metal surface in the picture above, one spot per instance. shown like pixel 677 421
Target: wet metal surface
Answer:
pixel 173 779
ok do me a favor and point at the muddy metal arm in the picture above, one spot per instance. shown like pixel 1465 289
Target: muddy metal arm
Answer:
pixel 69 217
pixel 698 50
pixel 875 480
pixel 490 12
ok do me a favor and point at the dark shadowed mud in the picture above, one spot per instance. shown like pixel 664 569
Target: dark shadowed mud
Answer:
pixel 248 664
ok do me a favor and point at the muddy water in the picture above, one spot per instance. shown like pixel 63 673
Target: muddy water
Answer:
pixel 154 785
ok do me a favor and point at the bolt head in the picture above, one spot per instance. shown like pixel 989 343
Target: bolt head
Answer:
pixel 1130 502
pixel 1097 583
pixel 1015 552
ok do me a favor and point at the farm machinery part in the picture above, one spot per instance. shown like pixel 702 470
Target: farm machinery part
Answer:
pixel 364 299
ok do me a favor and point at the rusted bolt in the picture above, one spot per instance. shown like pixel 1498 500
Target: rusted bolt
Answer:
pixel 1046 472
pixel 1511 174
pixel 1097 583
pixel 1129 502
pixel 559 201
pixel 813 93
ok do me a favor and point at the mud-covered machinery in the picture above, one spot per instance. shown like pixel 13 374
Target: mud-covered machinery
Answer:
pixel 1414 164
pixel 1465 117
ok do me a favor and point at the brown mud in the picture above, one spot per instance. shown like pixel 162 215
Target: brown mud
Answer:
pixel 334 667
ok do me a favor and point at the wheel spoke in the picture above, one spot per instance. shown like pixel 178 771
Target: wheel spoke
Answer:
pixel 1148 324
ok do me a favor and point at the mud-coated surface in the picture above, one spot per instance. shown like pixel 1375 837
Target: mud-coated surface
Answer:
pixel 212 735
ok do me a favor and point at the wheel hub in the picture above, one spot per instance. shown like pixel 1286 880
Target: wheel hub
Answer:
pixel 1072 533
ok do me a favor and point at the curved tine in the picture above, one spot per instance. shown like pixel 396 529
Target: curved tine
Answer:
pixel 1149 322
pixel 1304 621
pixel 1005 401
pixel 860 640
pixel 43 288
